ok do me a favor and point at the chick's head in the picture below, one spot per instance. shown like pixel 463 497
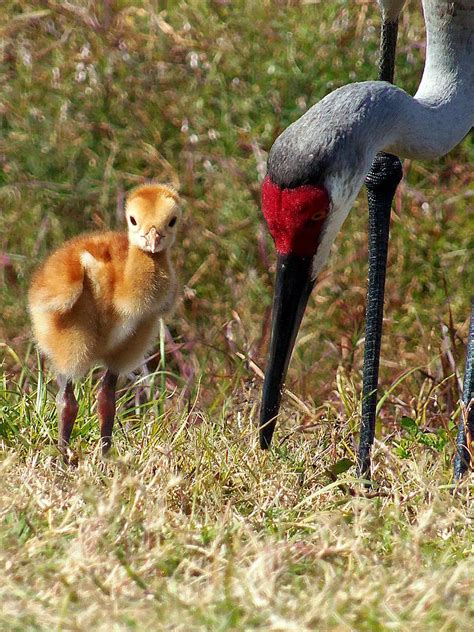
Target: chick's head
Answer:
pixel 153 216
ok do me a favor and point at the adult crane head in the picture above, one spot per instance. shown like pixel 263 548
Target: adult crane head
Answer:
pixel 315 169
pixel 296 218
pixel 308 190
pixel 318 164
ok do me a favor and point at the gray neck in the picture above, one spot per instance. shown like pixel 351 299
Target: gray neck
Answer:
pixel 442 112
pixel 450 47
pixel 346 129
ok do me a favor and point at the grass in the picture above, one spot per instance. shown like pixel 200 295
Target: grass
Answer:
pixel 189 526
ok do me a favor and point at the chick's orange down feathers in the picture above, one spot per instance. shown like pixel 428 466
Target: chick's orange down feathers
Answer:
pixel 99 297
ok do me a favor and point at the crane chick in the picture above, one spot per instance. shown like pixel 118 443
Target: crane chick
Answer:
pixel 98 300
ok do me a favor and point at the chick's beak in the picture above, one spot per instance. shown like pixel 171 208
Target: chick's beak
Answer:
pixel 153 239
pixel 293 286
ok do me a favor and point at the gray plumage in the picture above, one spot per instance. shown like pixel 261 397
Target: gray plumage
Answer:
pixel 343 132
pixel 335 142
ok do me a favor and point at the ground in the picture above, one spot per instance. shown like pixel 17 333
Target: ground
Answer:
pixel 189 526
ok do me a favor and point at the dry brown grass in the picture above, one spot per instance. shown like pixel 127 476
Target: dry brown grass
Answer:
pixel 190 526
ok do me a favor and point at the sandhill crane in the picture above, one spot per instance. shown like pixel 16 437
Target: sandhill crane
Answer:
pixel 317 166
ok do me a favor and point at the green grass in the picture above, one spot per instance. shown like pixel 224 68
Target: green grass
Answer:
pixel 189 526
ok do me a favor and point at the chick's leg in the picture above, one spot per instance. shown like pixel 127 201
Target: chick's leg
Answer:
pixel 67 411
pixel 106 409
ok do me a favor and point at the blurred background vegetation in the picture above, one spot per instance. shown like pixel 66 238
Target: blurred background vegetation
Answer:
pixel 95 97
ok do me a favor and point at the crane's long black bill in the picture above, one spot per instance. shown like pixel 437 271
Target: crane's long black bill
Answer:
pixel 293 286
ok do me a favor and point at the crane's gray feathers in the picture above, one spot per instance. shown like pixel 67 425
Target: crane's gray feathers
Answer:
pixel 338 137
pixel 331 138
pixel 334 143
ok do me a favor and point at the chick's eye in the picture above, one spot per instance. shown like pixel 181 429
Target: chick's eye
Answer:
pixel 133 221
pixel 172 221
